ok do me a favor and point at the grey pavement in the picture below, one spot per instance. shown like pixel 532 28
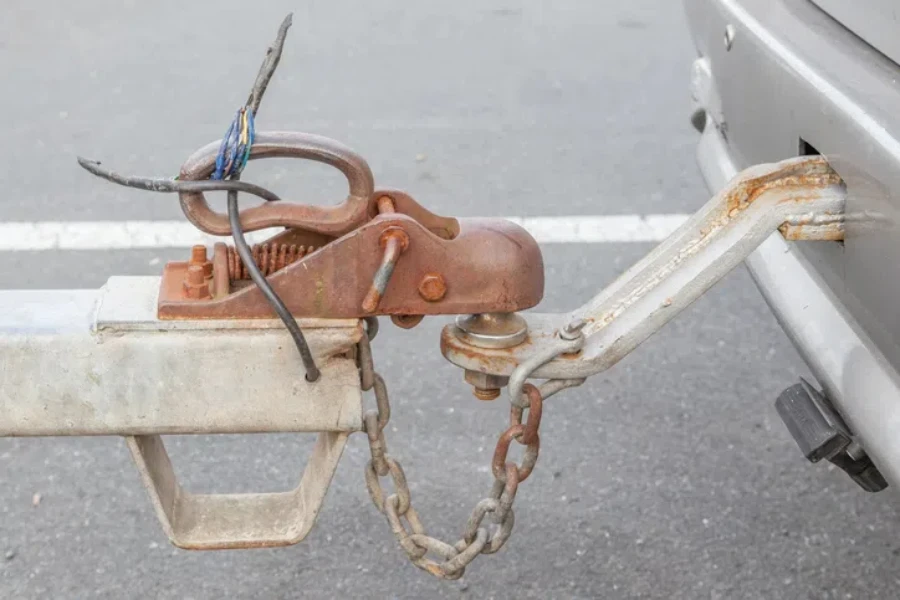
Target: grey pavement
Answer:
pixel 669 476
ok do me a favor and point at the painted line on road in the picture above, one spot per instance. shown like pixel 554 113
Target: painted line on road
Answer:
pixel 136 235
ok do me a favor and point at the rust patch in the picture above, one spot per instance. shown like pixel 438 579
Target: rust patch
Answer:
pixel 489 360
pixel 811 172
pixel 833 232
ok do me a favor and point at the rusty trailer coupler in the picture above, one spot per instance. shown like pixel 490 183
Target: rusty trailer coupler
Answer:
pixel 377 253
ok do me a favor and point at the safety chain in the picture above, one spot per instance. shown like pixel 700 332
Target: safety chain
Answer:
pixel 397 507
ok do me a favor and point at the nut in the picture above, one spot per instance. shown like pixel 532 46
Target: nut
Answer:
pixel 195 284
pixel 486 395
pixel 199 258
pixel 432 288
pixel 485 386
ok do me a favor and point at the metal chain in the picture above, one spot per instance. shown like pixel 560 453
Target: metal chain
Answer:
pixel 397 507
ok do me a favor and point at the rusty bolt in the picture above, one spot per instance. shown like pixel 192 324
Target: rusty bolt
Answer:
pixel 195 285
pixel 195 275
pixel 484 386
pixel 432 287
pixel 487 395
pixel 386 205
pixel 406 321
pixel 198 255
pixel 199 258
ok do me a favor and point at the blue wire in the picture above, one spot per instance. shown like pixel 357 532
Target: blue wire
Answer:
pixel 233 154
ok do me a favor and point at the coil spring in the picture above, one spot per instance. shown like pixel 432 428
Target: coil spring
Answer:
pixel 268 258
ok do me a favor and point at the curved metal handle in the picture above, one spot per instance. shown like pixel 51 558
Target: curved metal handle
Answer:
pixel 329 220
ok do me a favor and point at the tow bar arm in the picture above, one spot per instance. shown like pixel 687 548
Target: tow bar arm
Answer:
pixel 802 198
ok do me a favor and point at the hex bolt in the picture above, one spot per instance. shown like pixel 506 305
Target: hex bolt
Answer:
pixel 432 288
pixel 195 275
pixel 195 285
pixel 200 258
pixel 572 330
pixel 484 386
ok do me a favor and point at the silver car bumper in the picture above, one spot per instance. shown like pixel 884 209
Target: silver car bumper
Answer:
pixel 775 77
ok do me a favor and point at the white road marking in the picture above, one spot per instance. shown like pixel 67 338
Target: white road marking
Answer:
pixel 133 235
pixel 593 229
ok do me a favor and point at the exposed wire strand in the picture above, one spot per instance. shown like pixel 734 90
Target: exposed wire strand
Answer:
pixel 159 184
pixel 234 152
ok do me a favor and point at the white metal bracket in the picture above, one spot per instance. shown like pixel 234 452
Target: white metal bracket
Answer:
pixel 225 521
pixel 101 363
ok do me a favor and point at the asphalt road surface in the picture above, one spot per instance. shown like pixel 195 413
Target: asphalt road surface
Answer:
pixel 670 476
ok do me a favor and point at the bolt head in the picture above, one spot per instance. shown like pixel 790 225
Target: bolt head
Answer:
pixel 432 288
pixel 572 330
pixel 394 233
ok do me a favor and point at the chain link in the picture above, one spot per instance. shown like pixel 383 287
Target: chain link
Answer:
pixel 397 507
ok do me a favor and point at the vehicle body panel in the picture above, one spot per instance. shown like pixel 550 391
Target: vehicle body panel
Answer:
pixel 778 78
pixel 875 21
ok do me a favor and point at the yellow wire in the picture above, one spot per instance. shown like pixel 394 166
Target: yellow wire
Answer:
pixel 245 127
